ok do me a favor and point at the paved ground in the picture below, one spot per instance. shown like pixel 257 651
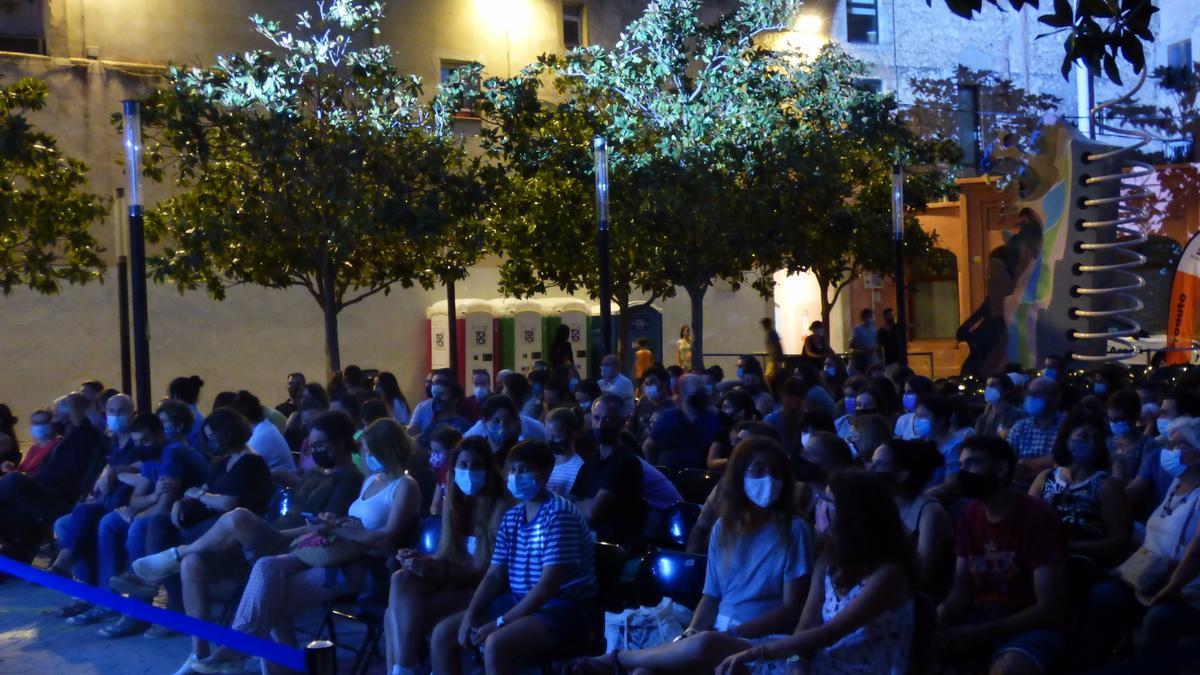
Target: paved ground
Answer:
pixel 31 642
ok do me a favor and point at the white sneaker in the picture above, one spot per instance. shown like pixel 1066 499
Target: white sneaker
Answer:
pixel 186 668
pixel 157 566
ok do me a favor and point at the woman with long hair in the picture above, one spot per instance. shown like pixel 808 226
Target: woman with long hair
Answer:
pixel 683 348
pixel 427 589
pixel 393 397
pixel 859 614
pixel 759 560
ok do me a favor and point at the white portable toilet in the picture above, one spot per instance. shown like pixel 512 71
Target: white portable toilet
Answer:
pixel 437 329
pixel 572 313
pixel 479 337
pixel 527 335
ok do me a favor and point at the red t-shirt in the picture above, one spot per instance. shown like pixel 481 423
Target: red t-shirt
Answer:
pixel 1002 556
pixel 37 453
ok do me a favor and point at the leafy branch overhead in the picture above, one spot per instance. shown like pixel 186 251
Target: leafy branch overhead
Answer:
pixel 314 164
pixel 1100 33
pixel 45 212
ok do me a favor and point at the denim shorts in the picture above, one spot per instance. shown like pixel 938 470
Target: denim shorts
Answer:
pixel 563 619
pixel 1044 648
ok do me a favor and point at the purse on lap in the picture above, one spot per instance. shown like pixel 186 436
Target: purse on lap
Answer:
pixel 316 550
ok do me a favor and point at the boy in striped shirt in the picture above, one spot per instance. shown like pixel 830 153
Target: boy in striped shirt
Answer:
pixel 540 590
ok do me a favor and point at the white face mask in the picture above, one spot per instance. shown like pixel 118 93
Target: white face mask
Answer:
pixel 470 481
pixel 1171 462
pixel 804 439
pixel 1162 425
pixel 762 491
pixel 481 393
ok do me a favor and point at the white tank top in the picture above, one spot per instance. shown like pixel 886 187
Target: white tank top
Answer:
pixel 373 511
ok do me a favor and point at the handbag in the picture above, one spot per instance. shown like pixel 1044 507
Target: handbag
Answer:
pixel 1146 572
pixel 316 550
pixel 643 626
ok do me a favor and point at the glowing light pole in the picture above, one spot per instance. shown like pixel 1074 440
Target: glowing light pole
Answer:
pixel 122 291
pixel 898 234
pixel 137 253
pixel 600 146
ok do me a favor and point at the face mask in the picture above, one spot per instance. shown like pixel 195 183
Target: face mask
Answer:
pixel 1050 373
pixel 470 481
pixel 373 464
pixel 806 471
pixel 910 402
pixel 152 451
pixel 831 372
pixel 726 419
pixel 741 372
pixel 850 403
pixel 762 491
pixel 537 391
pixel 1034 406
pixel 1082 451
pixel 607 372
pixel 559 447
pixel 671 384
pixel 1150 408
pixel 170 430
pixel 572 384
pixel 991 395
pixel 709 389
pixel 1099 388
pixel 922 427
pixel 1171 462
pixel 585 406
pixel 804 439
pixel 481 393
pixel 976 485
pixel 213 445
pixel 1119 427
pixel 606 435
pixel 323 458
pixel 42 432
pixel 698 400
pixel 436 460
pixel 1162 425
pixel 117 423
pixel 652 391
pixel 439 405
pixel 523 486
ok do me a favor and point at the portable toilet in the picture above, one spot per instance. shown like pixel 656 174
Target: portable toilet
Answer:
pixel 520 333
pixel 595 345
pixel 480 343
pixel 645 321
pixel 573 313
pixel 437 334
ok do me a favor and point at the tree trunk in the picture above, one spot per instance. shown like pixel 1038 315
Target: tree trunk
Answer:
pixel 696 294
pixel 333 355
pixel 624 340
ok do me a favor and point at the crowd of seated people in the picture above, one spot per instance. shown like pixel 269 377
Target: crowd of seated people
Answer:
pixel 847 519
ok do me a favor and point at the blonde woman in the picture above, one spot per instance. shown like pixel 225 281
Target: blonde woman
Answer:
pixel 281 586
pixel 427 589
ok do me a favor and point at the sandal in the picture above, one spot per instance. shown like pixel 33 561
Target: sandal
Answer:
pixel 124 627
pixel 67 611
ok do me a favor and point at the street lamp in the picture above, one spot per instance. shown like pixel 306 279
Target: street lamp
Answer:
pixel 600 146
pixel 898 235
pixel 137 252
pixel 122 250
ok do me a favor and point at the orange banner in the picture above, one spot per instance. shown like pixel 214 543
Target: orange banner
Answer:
pixel 1185 294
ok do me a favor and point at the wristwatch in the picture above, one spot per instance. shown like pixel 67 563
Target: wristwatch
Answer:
pixel 500 621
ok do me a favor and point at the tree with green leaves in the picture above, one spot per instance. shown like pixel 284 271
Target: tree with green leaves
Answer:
pixel 690 111
pixel 46 213
pixel 832 177
pixel 546 197
pixel 1099 33
pixel 314 165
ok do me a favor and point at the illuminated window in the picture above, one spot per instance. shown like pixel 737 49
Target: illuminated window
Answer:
pixel 862 21
pixel 573 35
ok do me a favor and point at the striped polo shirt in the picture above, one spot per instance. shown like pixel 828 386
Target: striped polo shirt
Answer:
pixel 557 535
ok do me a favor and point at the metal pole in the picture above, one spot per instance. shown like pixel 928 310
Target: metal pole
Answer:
pixel 898 234
pixel 320 658
pixel 137 254
pixel 122 293
pixel 452 312
pixel 600 145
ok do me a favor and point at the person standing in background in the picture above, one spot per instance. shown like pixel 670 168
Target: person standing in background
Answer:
pixel 774 349
pixel 683 348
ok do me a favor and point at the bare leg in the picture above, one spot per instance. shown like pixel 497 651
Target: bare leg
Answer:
pixel 195 597
pixel 414 607
pixel 240 526
pixel 63 561
pixel 444 649
pixel 699 653
pixel 526 636
pixel 1014 663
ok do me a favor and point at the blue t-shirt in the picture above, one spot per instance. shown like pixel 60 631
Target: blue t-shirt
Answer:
pixel 557 535
pixel 748 578
pixel 682 443
pixel 195 435
pixel 1151 470
pixel 119 455
pixel 179 461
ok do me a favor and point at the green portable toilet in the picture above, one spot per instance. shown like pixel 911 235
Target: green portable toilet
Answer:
pixel 521 333
pixel 574 314
pixel 505 327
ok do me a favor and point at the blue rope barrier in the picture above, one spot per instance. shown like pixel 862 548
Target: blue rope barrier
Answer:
pixel 245 643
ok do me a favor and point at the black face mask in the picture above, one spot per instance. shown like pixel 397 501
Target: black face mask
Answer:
pixel 698 400
pixel 976 485
pixel 606 435
pixel 806 471
pixel 727 420
pixel 324 459
pixel 439 406
pixel 559 447
pixel 153 451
